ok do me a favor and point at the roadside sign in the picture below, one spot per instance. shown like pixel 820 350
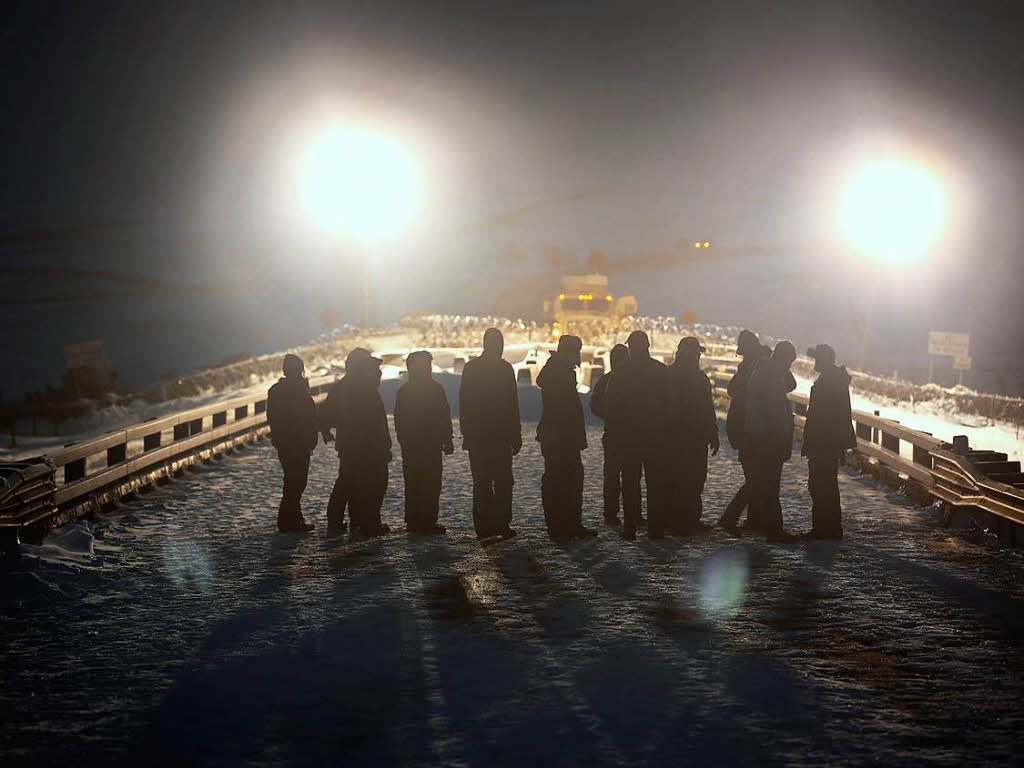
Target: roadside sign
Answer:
pixel 962 363
pixel 949 344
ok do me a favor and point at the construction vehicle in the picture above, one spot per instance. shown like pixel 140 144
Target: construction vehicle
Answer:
pixel 585 305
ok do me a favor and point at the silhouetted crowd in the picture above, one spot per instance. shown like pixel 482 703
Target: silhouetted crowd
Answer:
pixel 660 427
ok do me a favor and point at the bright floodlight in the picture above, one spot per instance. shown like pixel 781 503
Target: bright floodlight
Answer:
pixel 893 210
pixel 357 182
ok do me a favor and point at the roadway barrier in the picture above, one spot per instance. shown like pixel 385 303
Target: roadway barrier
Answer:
pixel 82 477
pixel 981 483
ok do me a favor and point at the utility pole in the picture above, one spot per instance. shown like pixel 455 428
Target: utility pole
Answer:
pixel 366 289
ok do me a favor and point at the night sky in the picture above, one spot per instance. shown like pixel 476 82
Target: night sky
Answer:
pixel 138 136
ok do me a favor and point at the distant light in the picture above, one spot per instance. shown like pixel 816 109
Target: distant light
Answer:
pixel 555 332
pixel 696 245
pixel 608 297
pixel 561 296
pixel 357 182
pixel 893 210
pixel 707 244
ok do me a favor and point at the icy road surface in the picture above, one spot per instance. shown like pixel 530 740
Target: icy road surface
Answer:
pixel 183 630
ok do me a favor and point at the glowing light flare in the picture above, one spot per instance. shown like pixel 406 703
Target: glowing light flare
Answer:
pixel 893 210
pixel 723 582
pixel 354 181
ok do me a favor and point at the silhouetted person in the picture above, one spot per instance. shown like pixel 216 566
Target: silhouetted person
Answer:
pixel 620 475
pixel 639 401
pixel 769 436
pixel 329 416
pixel 694 430
pixel 828 432
pixel 489 422
pixel 291 414
pixel 423 423
pixel 562 434
pixel 749 348
pixel 363 441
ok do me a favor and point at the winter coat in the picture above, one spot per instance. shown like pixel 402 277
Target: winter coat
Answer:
pixel 639 405
pixel 489 404
pixel 736 418
pixel 768 426
pixel 354 407
pixel 694 420
pixel 828 430
pixel 561 420
pixel 598 395
pixel 423 418
pixel 291 414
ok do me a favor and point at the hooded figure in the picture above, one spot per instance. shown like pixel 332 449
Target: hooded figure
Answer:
pixel 355 408
pixel 768 436
pixel 423 423
pixel 489 422
pixel 562 434
pixel 291 414
pixel 620 476
pixel 638 411
pixel 828 432
pixel 694 430
pixel 749 348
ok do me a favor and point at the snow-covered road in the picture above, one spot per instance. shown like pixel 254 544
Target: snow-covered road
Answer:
pixel 181 629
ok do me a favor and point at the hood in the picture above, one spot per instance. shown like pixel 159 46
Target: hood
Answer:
pixel 556 368
pixel 837 372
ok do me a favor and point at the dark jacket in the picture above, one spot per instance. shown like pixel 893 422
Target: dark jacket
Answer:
pixel 734 421
pixel 694 420
pixel 291 414
pixel 423 418
pixel 639 405
pixel 768 427
pixel 598 396
pixel 561 420
pixel 354 408
pixel 829 428
pixel 489 404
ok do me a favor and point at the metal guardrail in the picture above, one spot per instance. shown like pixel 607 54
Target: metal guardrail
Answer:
pixel 955 476
pixel 81 475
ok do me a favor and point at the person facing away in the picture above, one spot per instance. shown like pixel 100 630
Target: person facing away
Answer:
pixel 639 407
pixel 769 436
pixel 828 433
pixel 694 431
pixel 329 416
pixel 749 348
pixel 423 424
pixel 620 476
pixel 491 433
pixel 363 442
pixel 291 414
pixel 562 434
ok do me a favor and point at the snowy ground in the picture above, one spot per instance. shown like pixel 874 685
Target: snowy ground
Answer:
pixel 182 630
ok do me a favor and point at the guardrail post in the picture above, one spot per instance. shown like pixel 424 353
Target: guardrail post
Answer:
pixel 116 454
pixel 891 442
pixel 74 470
pixel 863 431
pixel 922 456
